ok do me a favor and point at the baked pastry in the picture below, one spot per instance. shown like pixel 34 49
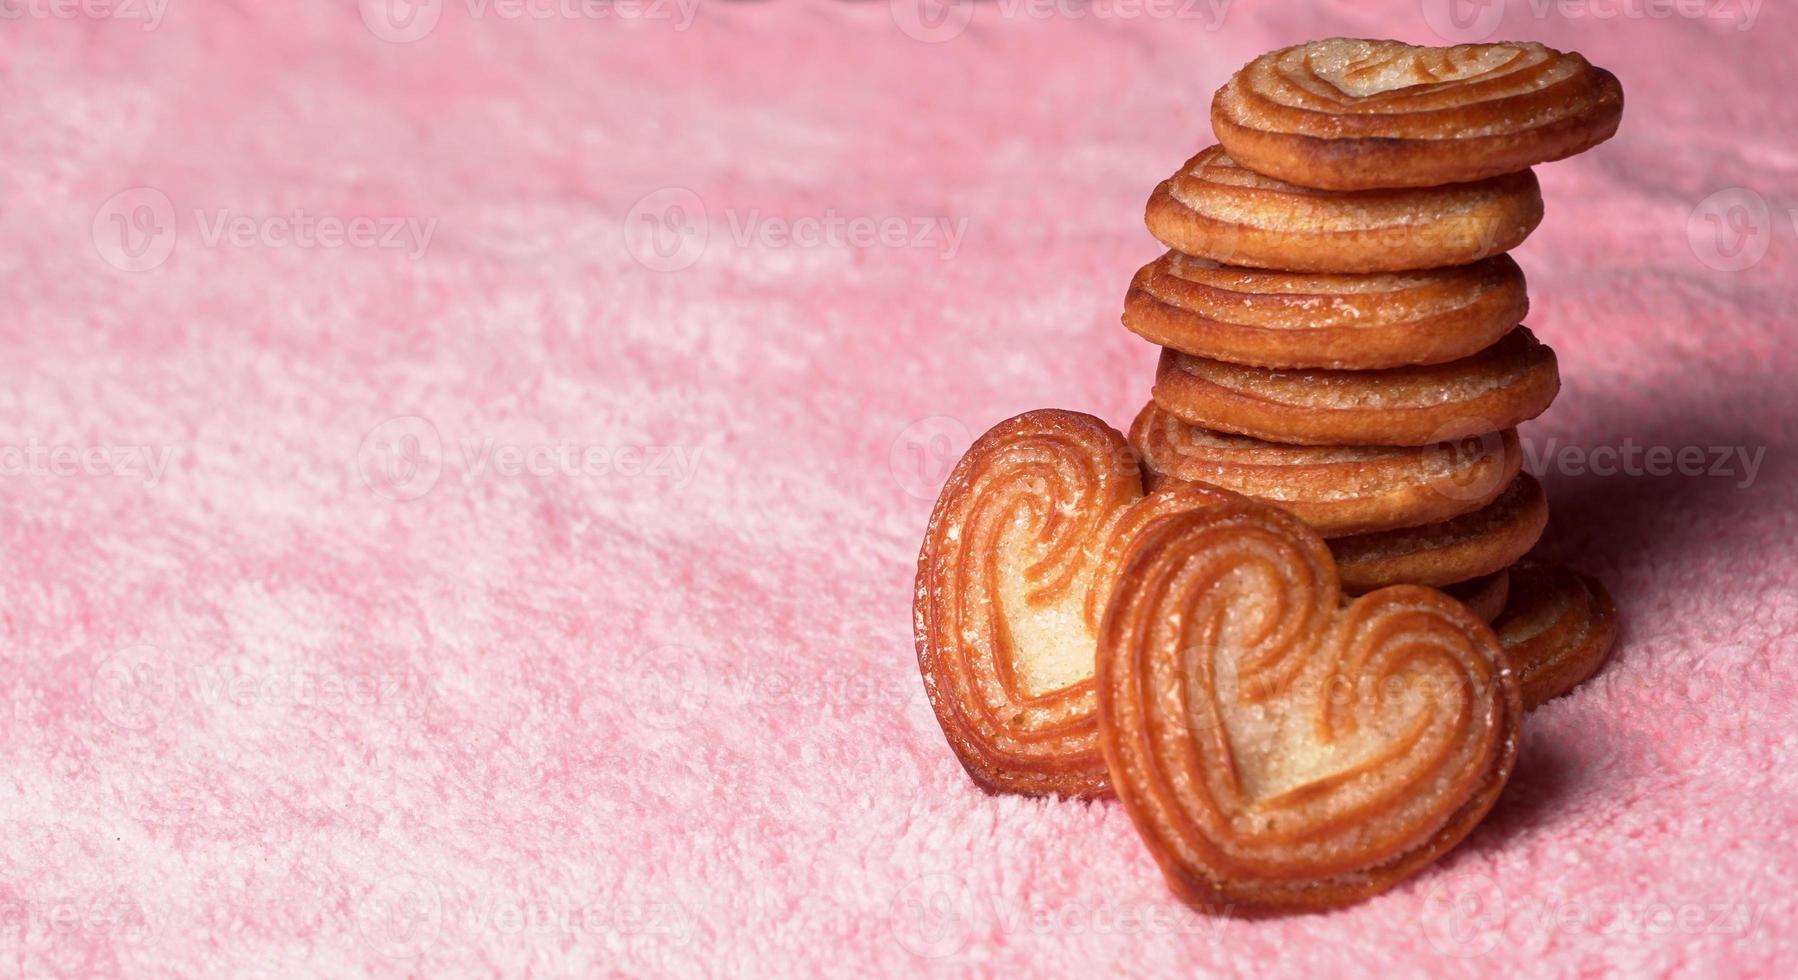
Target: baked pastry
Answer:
pixel 1349 114
pixel 1339 490
pixel 1217 210
pixel 1017 561
pixel 1512 381
pixel 1484 596
pixel 1558 626
pixel 1472 545
pixel 1276 750
pixel 1323 320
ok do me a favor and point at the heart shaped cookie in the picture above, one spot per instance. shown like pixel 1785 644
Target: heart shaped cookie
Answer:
pixel 1277 750
pixel 1350 114
pixel 1018 559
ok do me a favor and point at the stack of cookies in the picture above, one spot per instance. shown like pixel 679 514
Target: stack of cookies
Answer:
pixel 1342 330
pixel 1231 620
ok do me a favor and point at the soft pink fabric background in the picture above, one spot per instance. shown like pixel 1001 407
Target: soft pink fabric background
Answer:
pixel 259 717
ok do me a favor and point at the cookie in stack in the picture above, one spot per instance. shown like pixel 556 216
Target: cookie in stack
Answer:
pixel 1343 332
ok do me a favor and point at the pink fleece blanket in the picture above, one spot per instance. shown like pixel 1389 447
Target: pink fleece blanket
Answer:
pixel 464 462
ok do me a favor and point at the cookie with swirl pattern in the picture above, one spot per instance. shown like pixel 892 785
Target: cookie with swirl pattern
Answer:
pixel 1476 544
pixel 1350 114
pixel 1484 596
pixel 1017 561
pixel 1510 382
pixel 1558 627
pixel 1216 209
pixel 1339 490
pixel 1277 749
pixel 1346 321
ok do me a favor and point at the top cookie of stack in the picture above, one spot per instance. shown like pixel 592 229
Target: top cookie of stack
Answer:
pixel 1393 176
pixel 1342 327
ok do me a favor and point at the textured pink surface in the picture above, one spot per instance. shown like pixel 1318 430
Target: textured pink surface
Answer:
pixel 577 703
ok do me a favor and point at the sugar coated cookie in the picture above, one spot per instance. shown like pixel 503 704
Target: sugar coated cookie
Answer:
pixel 1321 320
pixel 1277 750
pixel 1512 381
pixel 1215 209
pixel 1558 626
pixel 1348 114
pixel 1466 547
pixel 1340 490
pixel 1016 565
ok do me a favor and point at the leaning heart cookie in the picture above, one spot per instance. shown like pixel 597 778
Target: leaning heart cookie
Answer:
pixel 1018 559
pixel 1217 210
pixel 1279 751
pixel 1349 114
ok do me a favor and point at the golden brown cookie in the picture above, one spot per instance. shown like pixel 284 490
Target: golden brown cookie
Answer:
pixel 1465 547
pixel 1217 210
pixel 1484 596
pixel 1340 490
pixel 1319 320
pixel 1277 750
pixel 1348 114
pixel 1557 628
pixel 1016 565
pixel 1512 381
